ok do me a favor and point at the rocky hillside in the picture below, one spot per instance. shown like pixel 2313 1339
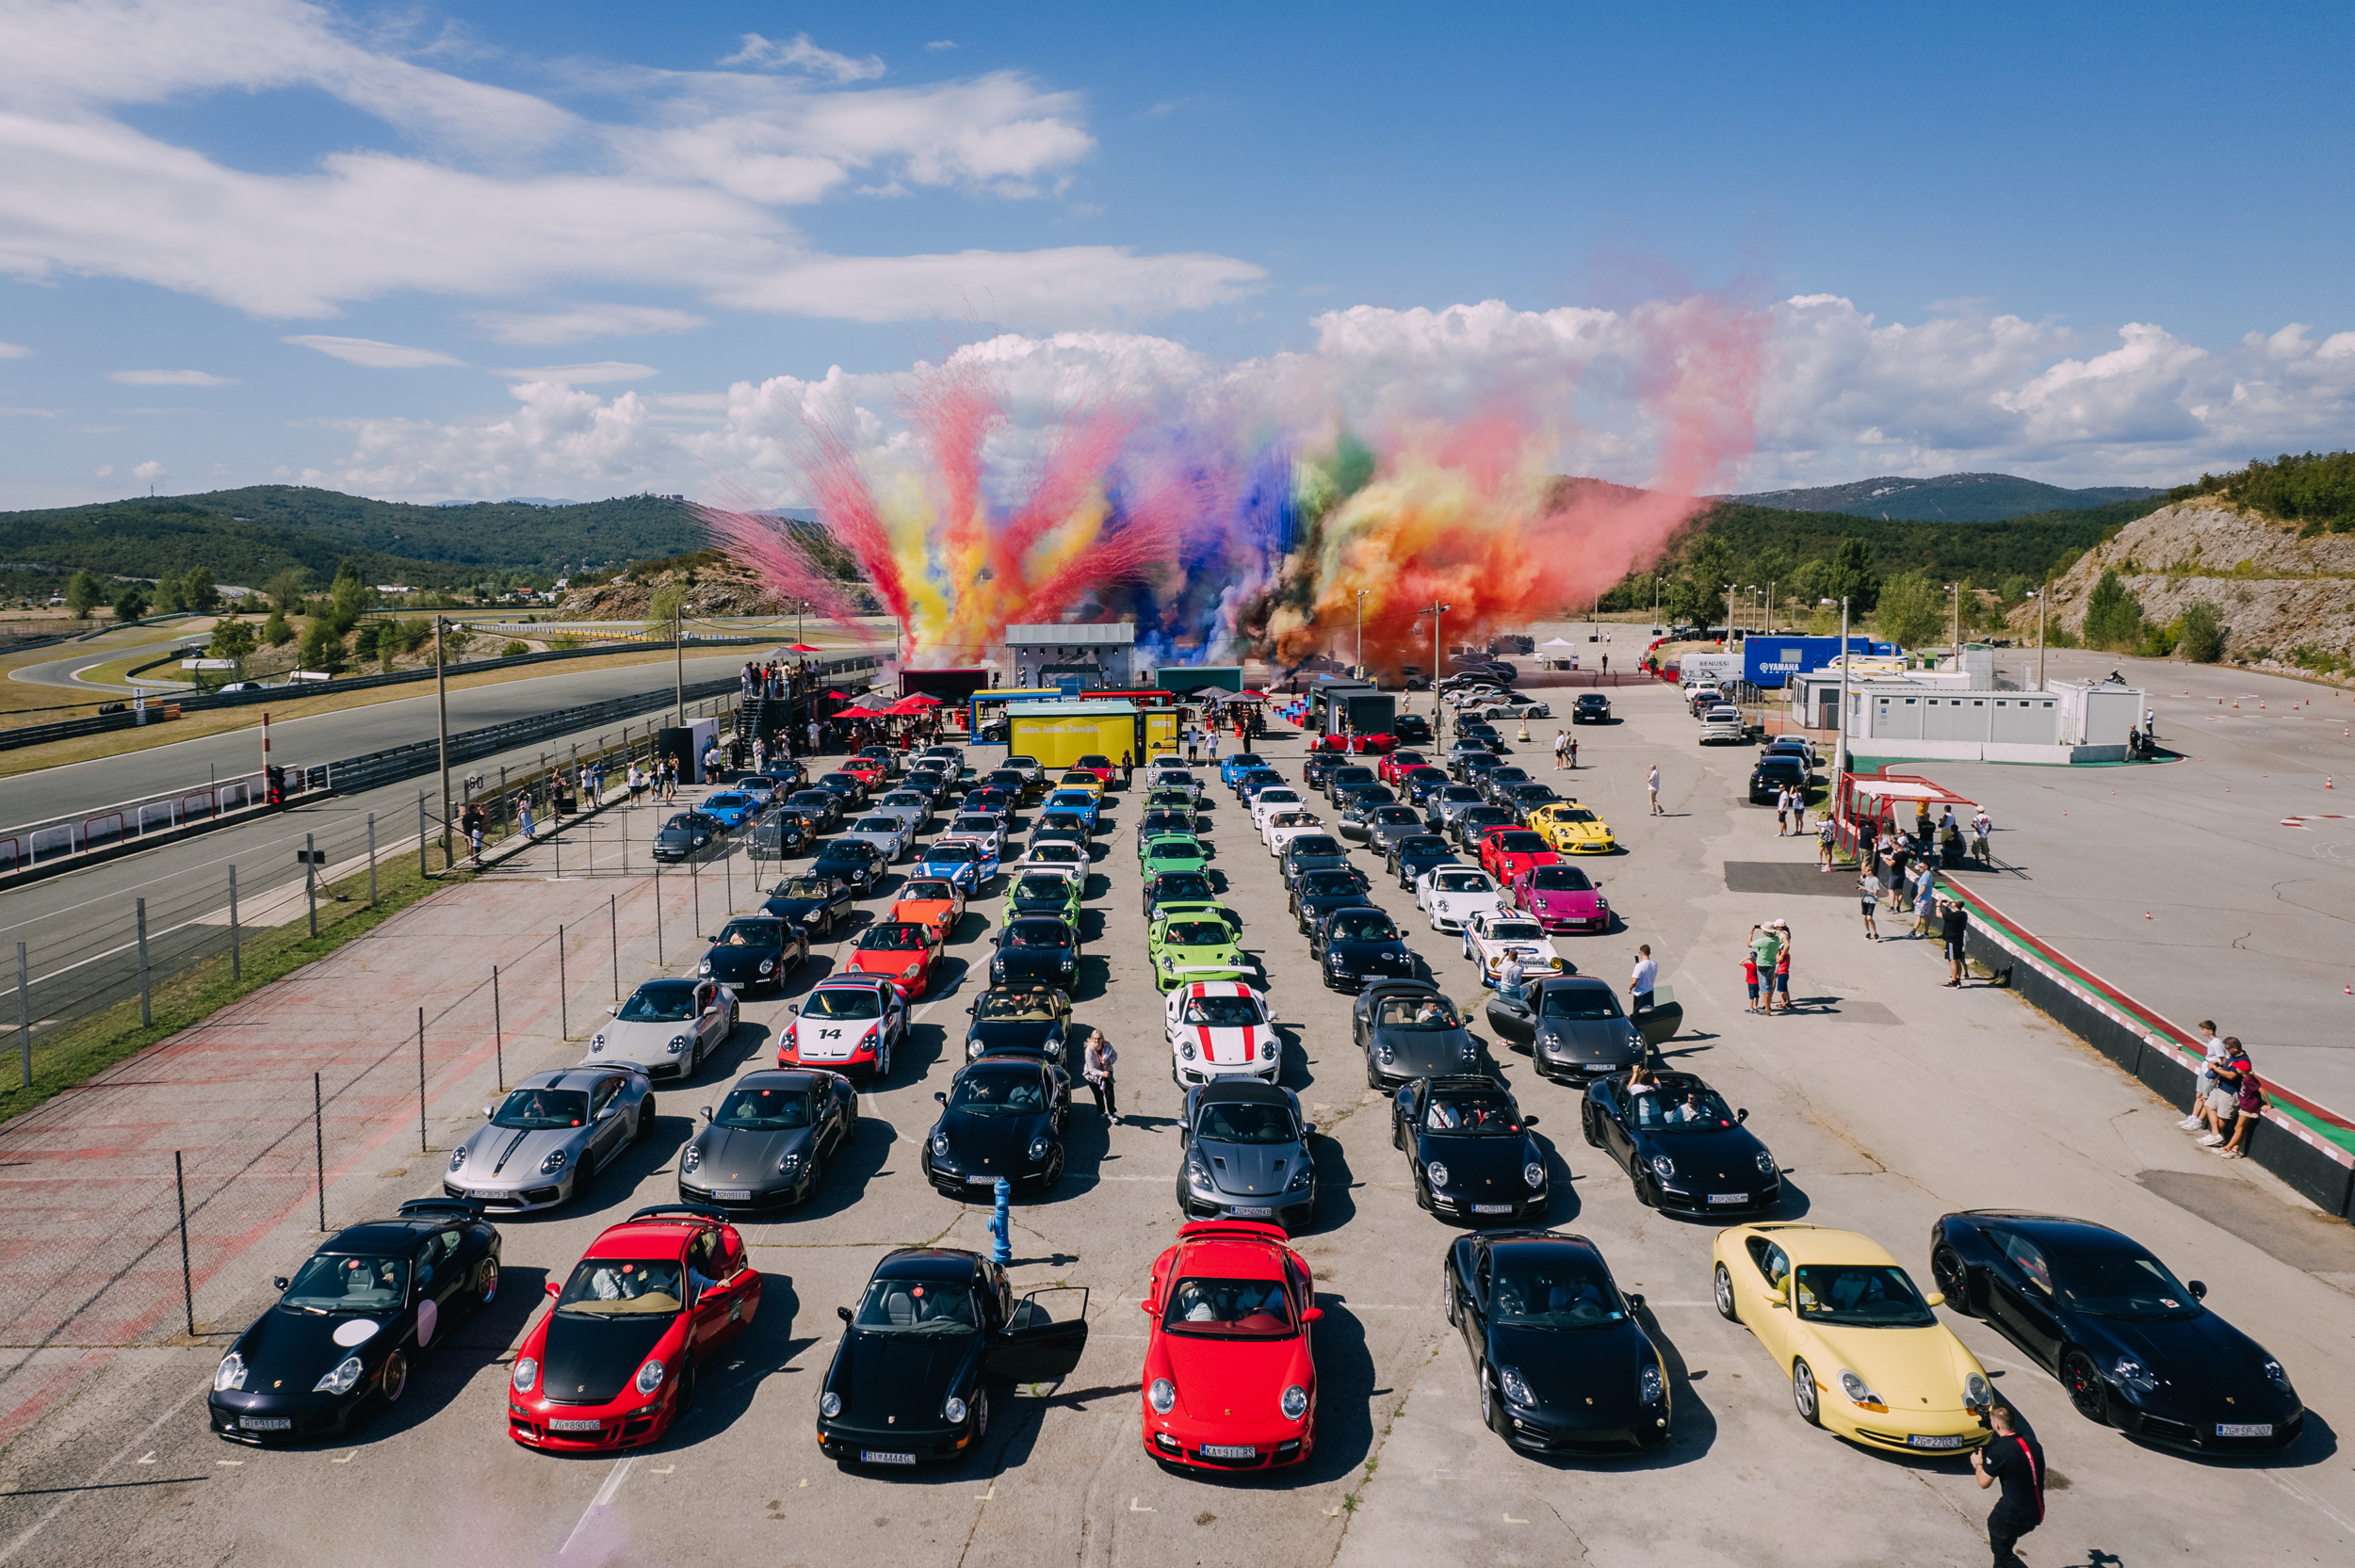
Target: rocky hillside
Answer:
pixel 2276 592
pixel 712 590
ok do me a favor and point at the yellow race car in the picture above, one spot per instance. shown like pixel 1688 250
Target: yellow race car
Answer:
pixel 1865 1354
pixel 1570 829
pixel 1083 778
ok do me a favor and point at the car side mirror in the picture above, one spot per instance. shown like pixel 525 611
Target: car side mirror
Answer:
pixel 704 1111
pixel 1740 1116
pixel 941 1097
pixel 553 1288
pixel 489 1111
pixel 609 1113
pixel 1312 1315
pixel 843 1313
pixel 1634 1301
pixel 2199 1290
pixel 1146 1305
pixel 1529 1121
pixel 613 1008
pixel 278 1281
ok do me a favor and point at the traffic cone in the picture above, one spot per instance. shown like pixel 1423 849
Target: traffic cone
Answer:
pixel 2146 914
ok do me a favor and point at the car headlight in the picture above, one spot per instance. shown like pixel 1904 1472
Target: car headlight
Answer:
pixel 596 1041
pixel 973 1049
pixel 789 1162
pixel 829 1404
pixel 1268 1049
pixel 1333 960
pixel 1295 1403
pixel 1976 1390
pixel 691 1158
pixel 1650 1387
pixel 704 968
pixel 1040 1148
pixel 768 966
pixel 2135 1375
pixel 1302 1173
pixel 2274 1375
pixel 1185 1050
pixel 1535 1174
pixel 952 1411
pixel 1662 1166
pixel 1438 1174
pixel 458 1156
pixel 1162 1395
pixel 1766 1166
pixel 230 1374
pixel 649 1377
pixel 1198 1172
pixel 526 1375
pixel 1516 1388
pixel 940 1143
pixel 342 1380
pixel 678 1043
pixel 1443 906
pixel 555 1161
pixel 1859 1391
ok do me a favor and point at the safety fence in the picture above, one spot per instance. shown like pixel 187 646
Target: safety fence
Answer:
pixel 106 827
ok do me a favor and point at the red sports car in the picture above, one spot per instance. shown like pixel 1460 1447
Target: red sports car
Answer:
pixel 1097 764
pixel 867 770
pixel 1506 852
pixel 930 902
pixel 900 951
pixel 613 1364
pixel 1229 1383
pixel 1395 766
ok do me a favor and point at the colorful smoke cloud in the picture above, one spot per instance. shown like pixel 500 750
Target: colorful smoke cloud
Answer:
pixel 1257 528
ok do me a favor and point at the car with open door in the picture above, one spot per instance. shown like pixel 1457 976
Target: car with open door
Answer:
pixel 1230 1376
pixel 1563 1363
pixel 1684 1148
pixel 1408 1030
pixel 936 1327
pixel 666 1027
pixel 1573 1027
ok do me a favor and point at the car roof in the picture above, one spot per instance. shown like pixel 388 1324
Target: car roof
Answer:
pixel 1242 1090
pixel 2079 1233
pixel 783 1077
pixel 1818 1244
pixel 929 1262
pixel 1573 982
pixel 1515 1248
pixel 667 984
pixel 658 1236
pixel 382 1237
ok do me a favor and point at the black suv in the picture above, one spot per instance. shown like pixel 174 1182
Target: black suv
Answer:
pixel 1775 772
pixel 1592 708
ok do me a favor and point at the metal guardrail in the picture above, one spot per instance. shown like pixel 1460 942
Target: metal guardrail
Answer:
pixel 104 827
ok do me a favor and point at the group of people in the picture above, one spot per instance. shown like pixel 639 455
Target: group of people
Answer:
pixel 1767 967
pixel 1902 873
pixel 773 680
pixel 1565 748
pixel 2229 1101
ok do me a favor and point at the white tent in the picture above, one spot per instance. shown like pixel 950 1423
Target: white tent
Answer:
pixel 1557 642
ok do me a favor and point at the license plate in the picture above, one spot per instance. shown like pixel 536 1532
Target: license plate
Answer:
pixel 572 1425
pixel 1228 1450
pixel 876 1456
pixel 733 1194
pixel 1917 1441
pixel 982 1181
pixel 286 1423
pixel 1252 1211
pixel 2246 1429
pixel 1492 1208
pixel 1729 1197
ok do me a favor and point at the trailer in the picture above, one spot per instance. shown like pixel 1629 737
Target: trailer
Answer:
pixel 1353 716
pixel 953 687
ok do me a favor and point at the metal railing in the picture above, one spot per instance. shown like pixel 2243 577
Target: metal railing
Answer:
pixel 90 828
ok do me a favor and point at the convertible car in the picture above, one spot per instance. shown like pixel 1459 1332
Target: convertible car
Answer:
pixel 1230 1381
pixel 1572 1027
pixel 1468 1151
pixel 1026 1020
pixel 1562 1363
pixel 900 951
pixel 1683 1147
pixel 1408 1030
pixel 769 1141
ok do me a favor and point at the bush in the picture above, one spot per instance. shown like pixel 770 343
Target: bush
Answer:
pixel 323 648
pixel 130 604
pixel 1911 610
pixel 365 644
pixel 513 647
pixel 277 631
pixel 83 593
pixel 2158 641
pixel 2057 636
pixel 2199 637
pixel 232 640
pixel 2113 616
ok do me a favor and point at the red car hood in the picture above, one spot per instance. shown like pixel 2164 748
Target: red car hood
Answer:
pixel 1221 1381
pixel 887 965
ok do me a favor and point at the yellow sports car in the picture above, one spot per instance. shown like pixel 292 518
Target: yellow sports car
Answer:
pixel 1865 1354
pixel 1572 829
pixel 1081 777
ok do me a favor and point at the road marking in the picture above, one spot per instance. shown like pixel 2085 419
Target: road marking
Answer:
pixel 150 1459
pixel 597 1504
pixel 347 1459
pixel 991 1493
pixel 1510 1520
pixel 2311 1500
pixel 229 1461
pixel 665 1471
pixel 1135 1508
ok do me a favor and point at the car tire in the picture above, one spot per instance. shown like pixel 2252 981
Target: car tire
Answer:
pixel 2084 1382
pixel 816 1177
pixel 1803 1394
pixel 1721 1288
pixel 486 1285
pixel 395 1378
pixel 1953 1279
pixel 1052 1176
pixel 685 1400
pixel 1646 1192
pixel 1585 1116
pixel 1491 1408
pixel 1447 1295
pixel 643 1129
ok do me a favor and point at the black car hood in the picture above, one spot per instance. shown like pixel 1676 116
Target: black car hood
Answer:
pixel 297 1348
pixel 794 909
pixel 1034 963
pixel 981 1145
pixel 1588 1373
pixel 742 1157
pixel 1360 958
pixel 681 836
pixel 1422 1052
pixel 1317 903
pixel 737 963
pixel 1609 1040
pixel 1018 1034
pixel 886 1380
pixel 2200 1362
pixel 1481 1168
pixel 587 1360
pixel 1252 1170
pixel 1724 1159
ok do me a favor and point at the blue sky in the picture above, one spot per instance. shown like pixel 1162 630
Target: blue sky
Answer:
pixel 531 248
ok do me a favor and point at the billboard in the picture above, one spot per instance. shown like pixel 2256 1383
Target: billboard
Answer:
pixel 1771 661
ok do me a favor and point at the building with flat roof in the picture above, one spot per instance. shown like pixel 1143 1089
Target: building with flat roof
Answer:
pixel 1100 656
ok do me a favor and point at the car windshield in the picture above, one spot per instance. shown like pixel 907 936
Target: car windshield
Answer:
pixel 1241 760
pixel 1331 883
pixel 725 801
pixel 1223 1013
pixel 1061 822
pixel 810 799
pixel 843 1002
pixel 1364 927
pixel 1174 778
pixel 918 1307
pixel 1695 1110
pixel 892 936
pixel 1038 934
pixel 1460 794
pixel 974 823
pixel 686 821
pixel 953 854
pixel 332 1283
pixel 1055 888
pixel 753 933
pixel 801 887
pixel 887 825
pixel 1246 1121
pixel 1309 844
pixel 1273 796
pixel 1000 1094
pixel 538 1110
pixel 1396 815
pixel 1520 844
pixel 1198 933
pixel 1070 800
pixel 1462 882
pixel 1419 1013
pixel 1021 1006
pixel 764 1109
pixel 660 1003
pixel 926 891
pixel 1867 1295
pixel 1229 1309
pixel 1515 930
pixel 1343 776
pixel 846 851
pixel 903 798
pixel 1422 844
pixel 2122 1286
pixel 1165 821
pixel 1575 814
pixel 1094 760
pixel 1567 1293
pixel 1472 1115
pixel 621 1287
pixel 1580 1003
pixel 1058 854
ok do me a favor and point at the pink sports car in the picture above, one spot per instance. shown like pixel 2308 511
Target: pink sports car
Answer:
pixel 1561 898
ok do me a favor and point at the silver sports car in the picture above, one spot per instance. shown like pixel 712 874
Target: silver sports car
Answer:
pixel 666 1028
pixel 892 836
pixel 545 1142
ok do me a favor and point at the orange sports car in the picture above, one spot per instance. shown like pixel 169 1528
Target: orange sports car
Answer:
pixel 931 901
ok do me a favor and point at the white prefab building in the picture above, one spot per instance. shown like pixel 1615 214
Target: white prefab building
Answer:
pixel 1101 656
pixel 1895 719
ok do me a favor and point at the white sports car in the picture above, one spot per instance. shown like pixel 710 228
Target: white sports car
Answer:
pixel 1452 894
pixel 1222 1028
pixel 1488 937
pixel 1285 826
pixel 1067 858
pixel 1274 798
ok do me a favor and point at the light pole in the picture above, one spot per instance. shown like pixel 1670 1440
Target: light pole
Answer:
pixel 2042 596
pixel 1955 588
pixel 678 657
pixel 1361 631
pixel 1656 583
pixel 441 705
pixel 1770 607
pixel 1439 667
pixel 1728 615
pixel 1840 742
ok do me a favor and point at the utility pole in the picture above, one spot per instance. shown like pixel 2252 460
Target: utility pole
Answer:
pixel 1439 667
pixel 441 705
pixel 678 657
pixel 1840 742
pixel 1360 670
pixel 1728 615
pixel 1770 606
pixel 2044 597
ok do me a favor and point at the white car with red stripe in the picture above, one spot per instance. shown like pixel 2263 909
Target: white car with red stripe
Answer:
pixel 1222 1028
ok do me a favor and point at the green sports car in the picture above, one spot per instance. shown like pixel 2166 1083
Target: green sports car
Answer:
pixel 1172 852
pixel 1049 893
pixel 1183 949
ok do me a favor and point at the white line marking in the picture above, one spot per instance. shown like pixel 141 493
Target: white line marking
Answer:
pixel 347 1459
pixel 2311 1500
pixel 665 1471
pixel 1133 1506
pixel 150 1459
pixel 1510 1520
pixel 229 1461
pixel 597 1504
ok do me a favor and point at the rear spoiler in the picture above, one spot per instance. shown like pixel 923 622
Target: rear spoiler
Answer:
pixel 472 1207
pixel 699 1211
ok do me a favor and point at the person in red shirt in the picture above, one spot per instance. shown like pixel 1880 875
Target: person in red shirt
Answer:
pixel 2249 1105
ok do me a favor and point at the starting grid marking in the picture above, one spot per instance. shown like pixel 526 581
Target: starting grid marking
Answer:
pixel 2320 817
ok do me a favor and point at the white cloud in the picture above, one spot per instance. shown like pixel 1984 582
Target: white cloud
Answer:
pixel 14 352
pixel 602 370
pixel 799 52
pixel 580 323
pixel 370 354
pixel 1077 283
pixel 940 43
pixel 170 378
pixel 558 434
pixel 149 472
pixel 28 413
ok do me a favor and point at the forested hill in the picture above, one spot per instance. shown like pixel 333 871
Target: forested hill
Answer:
pixel 1948 498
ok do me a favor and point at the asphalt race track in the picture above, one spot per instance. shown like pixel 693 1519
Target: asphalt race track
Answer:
pixel 1887 1100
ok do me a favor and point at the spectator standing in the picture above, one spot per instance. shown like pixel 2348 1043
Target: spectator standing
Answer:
pixel 1640 984
pixel 1561 747
pixel 1209 739
pixel 2014 1459
pixel 1869 894
pixel 1926 919
pixel 1779 998
pixel 1573 753
pixel 814 735
pixel 1782 810
pixel 523 820
pixel 2251 1111
pixel 1825 837
pixel 2214 1051
pixel 1957 927
pixel 1652 782
pixel 473 841
pixel 760 755
pixel 1765 948
pixel 1097 1062
pixel 2222 1108
pixel 1128 768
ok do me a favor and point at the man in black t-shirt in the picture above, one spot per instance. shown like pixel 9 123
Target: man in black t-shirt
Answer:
pixel 2014 1459
pixel 1955 922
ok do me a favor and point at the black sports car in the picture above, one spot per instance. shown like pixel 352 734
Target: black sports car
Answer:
pixel 847 788
pixel 782 831
pixel 1319 764
pixel 909 1376
pixel 345 1330
pixel 1592 708
pixel 1469 823
pixel 1354 945
pixel 822 806
pixel 1178 887
pixel 1003 1116
pixel 1312 852
pixel 1410 1029
pixel 1024 1020
pixel 769 1141
pixel 1468 766
pixel 1411 856
pixel 1494 783
pixel 1685 1150
pixel 1562 1361
pixel 1348 775
pixel 1412 728
pixel 817 904
pixel 1469 1150
pixel 2134 1348
pixel 852 862
pixel 1361 798
pixel 1574 1030
pixel 754 951
pixel 688 832
pixel 1035 950
pixel 1317 894
pixel 1247 1154
pixel 1770 775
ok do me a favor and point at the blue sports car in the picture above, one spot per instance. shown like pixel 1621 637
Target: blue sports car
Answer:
pixel 732 807
pixel 1231 770
pixel 1080 802
pixel 965 861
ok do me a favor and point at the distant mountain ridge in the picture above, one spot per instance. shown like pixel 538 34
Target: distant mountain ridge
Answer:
pixel 1948 498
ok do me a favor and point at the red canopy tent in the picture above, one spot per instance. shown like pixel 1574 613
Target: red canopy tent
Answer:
pixel 803 647
pixel 856 712
pixel 922 699
pixel 906 707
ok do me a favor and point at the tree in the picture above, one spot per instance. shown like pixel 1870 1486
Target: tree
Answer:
pixel 286 588
pixel 323 648
pixel 1698 595
pixel 277 631
pixel 667 606
pixel 198 591
pixel 2113 616
pixel 232 640
pixel 130 604
pixel 83 593
pixel 168 598
pixel 1911 610
pixel 2200 635
pixel 2016 588
pixel 364 646
pixel 513 648
pixel 1853 578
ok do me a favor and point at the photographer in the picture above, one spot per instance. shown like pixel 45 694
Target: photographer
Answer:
pixel 2014 1459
